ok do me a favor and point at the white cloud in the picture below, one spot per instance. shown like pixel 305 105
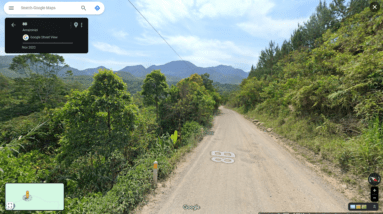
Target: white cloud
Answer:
pixel 207 45
pixel 119 34
pixel 252 16
pixel 149 40
pixel 259 24
pixel 115 49
pixel 215 8
pixel 265 27
pixel 206 52
pixel 210 52
pixel 159 13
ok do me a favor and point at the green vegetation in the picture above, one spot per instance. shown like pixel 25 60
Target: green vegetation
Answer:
pixel 189 100
pixel 154 88
pixel 134 83
pixel 324 88
pixel 97 139
pixel 225 88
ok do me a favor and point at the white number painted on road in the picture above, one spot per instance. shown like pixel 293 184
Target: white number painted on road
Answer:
pixel 222 154
pixel 222 160
pixel 232 155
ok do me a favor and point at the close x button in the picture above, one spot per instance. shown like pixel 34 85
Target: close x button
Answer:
pixel 374 6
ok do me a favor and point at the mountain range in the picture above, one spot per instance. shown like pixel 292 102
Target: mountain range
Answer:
pixel 175 70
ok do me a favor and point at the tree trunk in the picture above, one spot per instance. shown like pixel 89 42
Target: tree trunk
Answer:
pixel 157 110
pixel 91 160
pixel 109 121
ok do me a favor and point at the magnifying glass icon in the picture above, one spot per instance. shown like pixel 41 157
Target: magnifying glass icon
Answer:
pixel 83 7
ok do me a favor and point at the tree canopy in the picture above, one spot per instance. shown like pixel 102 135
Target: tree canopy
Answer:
pixel 42 71
pixel 154 88
pixel 99 118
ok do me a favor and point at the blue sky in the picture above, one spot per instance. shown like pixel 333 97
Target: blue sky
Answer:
pixel 204 32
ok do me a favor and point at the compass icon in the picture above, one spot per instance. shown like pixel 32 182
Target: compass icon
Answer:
pixel 374 179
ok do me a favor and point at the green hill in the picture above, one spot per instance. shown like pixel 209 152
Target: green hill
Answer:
pixel 325 92
pixel 9 73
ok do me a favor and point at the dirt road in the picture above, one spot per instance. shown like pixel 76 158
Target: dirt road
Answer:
pixel 262 177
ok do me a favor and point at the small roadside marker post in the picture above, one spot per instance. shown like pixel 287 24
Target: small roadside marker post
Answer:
pixel 155 165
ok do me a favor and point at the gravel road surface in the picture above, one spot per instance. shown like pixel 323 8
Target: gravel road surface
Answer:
pixel 262 177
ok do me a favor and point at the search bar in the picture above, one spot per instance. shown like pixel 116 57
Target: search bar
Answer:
pixel 54 8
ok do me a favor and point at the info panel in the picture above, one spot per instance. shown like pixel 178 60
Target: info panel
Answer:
pixel 46 35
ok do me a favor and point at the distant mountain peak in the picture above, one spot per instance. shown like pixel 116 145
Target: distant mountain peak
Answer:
pixel 182 69
pixel 177 69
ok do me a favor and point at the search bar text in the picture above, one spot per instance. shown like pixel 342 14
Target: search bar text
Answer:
pixel 54 8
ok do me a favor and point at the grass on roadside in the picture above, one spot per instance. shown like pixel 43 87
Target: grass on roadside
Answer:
pixel 356 156
pixel 133 183
pixel 359 155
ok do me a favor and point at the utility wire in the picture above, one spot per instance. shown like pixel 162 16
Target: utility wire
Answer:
pixel 155 30
pixel 165 39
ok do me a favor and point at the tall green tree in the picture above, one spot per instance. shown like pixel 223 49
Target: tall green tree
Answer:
pixel 45 64
pixel 208 83
pixel 286 48
pixel 298 38
pixel 187 101
pixel 41 72
pixel 99 135
pixel 266 62
pixel 322 20
pixel 357 6
pixel 252 72
pixel 250 93
pixel 343 10
pixel 154 88
pixel 5 87
pixel 309 34
pixel 339 8
pixel 97 118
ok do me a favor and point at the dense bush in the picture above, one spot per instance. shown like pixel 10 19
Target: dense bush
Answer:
pixel 32 167
pixel 341 77
pixel 188 101
pixel 325 94
pixel 99 144
pixel 190 130
pixel 98 140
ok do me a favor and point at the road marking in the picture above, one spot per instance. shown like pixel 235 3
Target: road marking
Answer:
pixel 222 160
pixel 227 158
pixel 232 155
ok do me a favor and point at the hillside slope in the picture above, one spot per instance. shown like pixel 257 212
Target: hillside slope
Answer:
pixel 328 99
